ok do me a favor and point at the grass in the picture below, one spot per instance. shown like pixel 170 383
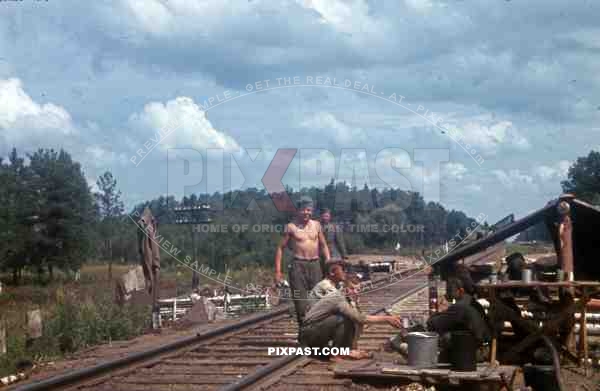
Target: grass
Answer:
pixel 75 315
pixel 80 314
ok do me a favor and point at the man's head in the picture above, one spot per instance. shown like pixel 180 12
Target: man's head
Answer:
pixel 352 286
pixel 455 289
pixel 336 273
pixel 305 209
pixel 325 216
pixel 463 273
pixel 515 263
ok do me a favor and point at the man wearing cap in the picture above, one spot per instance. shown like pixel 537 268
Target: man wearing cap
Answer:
pixel 333 319
pixel 304 272
pixel 334 237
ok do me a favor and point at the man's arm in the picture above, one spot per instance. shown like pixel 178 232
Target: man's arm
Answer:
pixel 323 243
pixel 449 320
pixel 279 254
pixel 349 311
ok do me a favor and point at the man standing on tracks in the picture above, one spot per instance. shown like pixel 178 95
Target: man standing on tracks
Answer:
pixel 334 237
pixel 304 272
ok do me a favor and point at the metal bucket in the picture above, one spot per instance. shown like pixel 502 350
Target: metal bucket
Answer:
pixel 422 349
pixel 540 377
pixel 463 352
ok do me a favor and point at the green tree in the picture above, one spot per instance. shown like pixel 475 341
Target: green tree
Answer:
pixel 584 178
pixel 110 211
pixel 17 214
pixel 63 212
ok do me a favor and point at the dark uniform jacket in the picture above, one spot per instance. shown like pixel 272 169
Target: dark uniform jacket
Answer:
pixel 462 316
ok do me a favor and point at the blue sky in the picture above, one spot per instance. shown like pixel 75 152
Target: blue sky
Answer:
pixel 516 80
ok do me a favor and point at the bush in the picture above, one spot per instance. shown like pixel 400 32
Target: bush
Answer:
pixel 74 324
pixel 77 324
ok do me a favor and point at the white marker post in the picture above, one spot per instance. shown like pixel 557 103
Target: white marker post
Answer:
pixel 2 338
pixel 34 324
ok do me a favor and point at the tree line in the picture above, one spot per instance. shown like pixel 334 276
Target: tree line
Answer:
pixel 51 219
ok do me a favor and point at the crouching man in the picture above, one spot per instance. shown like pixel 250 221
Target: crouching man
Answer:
pixel 465 315
pixel 333 319
pixel 331 284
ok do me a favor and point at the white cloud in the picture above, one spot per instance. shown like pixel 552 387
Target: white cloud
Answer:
pixel 419 5
pixel 92 184
pixel 339 131
pixel 102 156
pixel 513 178
pixel 192 127
pixel 454 170
pixel 345 16
pixel 472 188
pixel 488 134
pixel 588 37
pixel 556 171
pixel 151 15
pixel 24 119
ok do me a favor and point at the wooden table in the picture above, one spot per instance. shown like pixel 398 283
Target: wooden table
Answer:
pixel 584 290
pixel 503 375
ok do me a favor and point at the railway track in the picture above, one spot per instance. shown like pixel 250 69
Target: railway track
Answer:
pixel 232 358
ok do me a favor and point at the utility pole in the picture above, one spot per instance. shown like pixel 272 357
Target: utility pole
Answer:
pixel 195 215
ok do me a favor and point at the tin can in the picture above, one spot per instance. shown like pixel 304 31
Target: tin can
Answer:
pixel 493 278
pixel 527 276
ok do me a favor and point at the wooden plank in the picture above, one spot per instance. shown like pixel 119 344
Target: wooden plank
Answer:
pixel 400 371
pixel 315 381
pixel 435 372
pixel 215 362
pixel 178 379
pixel 533 284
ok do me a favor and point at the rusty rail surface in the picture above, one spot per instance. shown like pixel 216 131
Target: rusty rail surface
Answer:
pixel 232 357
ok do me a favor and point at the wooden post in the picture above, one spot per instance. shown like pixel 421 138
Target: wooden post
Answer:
pixel 195 275
pixel 110 259
pixel 157 321
pixel 433 294
pixel 2 338
pixel 583 335
pixel 492 315
pixel 34 325
pixel 565 232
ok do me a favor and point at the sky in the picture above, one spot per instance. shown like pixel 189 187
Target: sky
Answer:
pixel 479 105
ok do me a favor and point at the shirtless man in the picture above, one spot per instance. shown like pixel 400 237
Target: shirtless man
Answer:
pixel 304 272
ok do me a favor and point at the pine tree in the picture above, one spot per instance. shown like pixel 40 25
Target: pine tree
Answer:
pixel 110 209
pixel 63 210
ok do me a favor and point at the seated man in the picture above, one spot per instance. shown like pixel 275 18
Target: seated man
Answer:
pixel 330 284
pixel 464 315
pixel 333 318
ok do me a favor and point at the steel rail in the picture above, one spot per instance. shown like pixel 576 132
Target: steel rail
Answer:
pixel 265 371
pixel 135 358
